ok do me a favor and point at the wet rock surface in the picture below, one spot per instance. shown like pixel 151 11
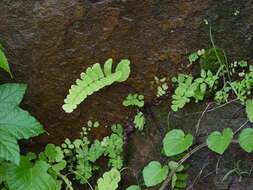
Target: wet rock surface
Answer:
pixel 50 42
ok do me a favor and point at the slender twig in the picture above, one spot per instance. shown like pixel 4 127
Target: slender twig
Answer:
pixel 165 183
pixel 220 106
pixel 217 166
pixel 240 128
pixel 196 178
pixel 196 149
pixel 202 115
pixel 83 179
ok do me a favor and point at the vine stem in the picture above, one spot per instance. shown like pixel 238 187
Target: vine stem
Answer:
pixel 189 154
pixel 83 178
pixel 202 115
pixel 241 126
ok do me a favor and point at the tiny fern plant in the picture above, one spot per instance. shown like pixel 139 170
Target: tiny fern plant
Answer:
pixel 134 100
pixel 139 121
pixel 138 101
pixel 93 80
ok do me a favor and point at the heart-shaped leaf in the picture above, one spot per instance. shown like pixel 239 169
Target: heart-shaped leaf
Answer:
pixel 154 173
pixel 246 140
pixel 249 109
pixel 176 142
pixel 218 142
pixel 134 187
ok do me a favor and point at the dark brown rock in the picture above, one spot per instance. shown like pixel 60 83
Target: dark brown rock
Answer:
pixel 50 42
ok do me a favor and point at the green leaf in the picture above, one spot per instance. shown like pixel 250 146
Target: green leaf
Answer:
pixel 59 166
pixel 154 173
pixel 180 184
pixel 173 181
pixel 182 177
pixel 108 67
pixel 193 57
pixel 175 142
pixel 15 123
pixel 218 142
pixel 89 123
pixel 246 140
pixel 139 121
pixel 203 73
pixel 134 187
pixel 4 63
pixel 249 109
pixel 109 180
pixel 12 93
pixel 96 150
pixel 96 124
pixel 30 176
pixel 54 153
pixel 174 165
pixel 124 67
pixel 93 80
pixel 243 63
pixel 134 100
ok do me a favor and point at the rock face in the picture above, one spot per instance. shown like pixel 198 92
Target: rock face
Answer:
pixel 50 42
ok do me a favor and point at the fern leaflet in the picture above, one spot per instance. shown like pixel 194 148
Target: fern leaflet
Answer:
pixel 93 80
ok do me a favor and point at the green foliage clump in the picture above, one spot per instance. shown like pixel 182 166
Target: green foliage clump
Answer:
pixel 42 173
pixel 223 84
pixel 212 59
pixel 240 88
pixel 189 88
pixel 15 123
pixel 238 171
pixel 93 80
pixel 178 178
pixel 81 154
pixel 28 175
pixel 134 100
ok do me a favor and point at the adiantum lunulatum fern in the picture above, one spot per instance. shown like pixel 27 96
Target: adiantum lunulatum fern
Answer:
pixel 93 80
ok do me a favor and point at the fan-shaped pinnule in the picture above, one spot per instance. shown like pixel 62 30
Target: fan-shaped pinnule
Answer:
pixel 94 79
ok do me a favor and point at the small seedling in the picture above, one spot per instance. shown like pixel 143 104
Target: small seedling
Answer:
pixel 238 171
pixel 139 121
pixel 134 100
pixel 162 86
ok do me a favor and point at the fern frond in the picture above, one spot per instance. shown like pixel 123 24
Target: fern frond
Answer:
pixel 93 80
pixel 139 121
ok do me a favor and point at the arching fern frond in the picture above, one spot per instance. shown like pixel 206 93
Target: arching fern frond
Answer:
pixel 93 80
